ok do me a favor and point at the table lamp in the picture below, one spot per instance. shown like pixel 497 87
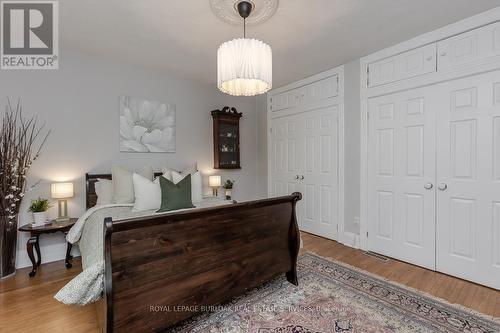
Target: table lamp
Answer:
pixel 62 191
pixel 214 182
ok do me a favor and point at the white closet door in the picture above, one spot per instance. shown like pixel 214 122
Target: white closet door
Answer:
pixel 401 175
pixel 469 47
pixel 403 66
pixel 468 199
pixel 304 158
pixel 320 173
pixel 286 162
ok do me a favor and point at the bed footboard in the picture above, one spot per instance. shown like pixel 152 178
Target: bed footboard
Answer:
pixel 163 269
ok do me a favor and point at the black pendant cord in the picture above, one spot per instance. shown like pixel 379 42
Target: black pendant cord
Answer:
pixel 244 9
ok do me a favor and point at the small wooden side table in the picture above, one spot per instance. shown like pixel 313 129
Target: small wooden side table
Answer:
pixel 36 231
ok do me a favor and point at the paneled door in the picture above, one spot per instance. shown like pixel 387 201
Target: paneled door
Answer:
pixel 286 164
pixel 319 175
pixel 469 47
pixel 401 176
pixel 402 66
pixel 304 158
pixel 468 196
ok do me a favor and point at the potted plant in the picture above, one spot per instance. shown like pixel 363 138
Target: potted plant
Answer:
pixel 21 140
pixel 39 209
pixel 228 186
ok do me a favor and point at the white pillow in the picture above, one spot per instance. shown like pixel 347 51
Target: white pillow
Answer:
pixel 196 184
pixel 167 172
pixel 104 191
pixel 147 193
pixel 123 186
pixel 190 169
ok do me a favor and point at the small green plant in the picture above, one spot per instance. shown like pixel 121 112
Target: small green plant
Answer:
pixel 228 184
pixel 39 205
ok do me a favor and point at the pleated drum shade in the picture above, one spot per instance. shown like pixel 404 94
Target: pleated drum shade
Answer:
pixel 244 67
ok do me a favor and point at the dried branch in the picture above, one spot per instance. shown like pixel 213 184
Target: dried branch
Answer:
pixel 21 141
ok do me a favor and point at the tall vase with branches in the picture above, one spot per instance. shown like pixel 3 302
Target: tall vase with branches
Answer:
pixel 21 141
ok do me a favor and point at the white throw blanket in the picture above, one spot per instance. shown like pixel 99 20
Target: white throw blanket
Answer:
pixel 87 232
pixel 76 231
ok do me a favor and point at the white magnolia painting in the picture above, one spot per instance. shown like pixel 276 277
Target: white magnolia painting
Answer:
pixel 146 126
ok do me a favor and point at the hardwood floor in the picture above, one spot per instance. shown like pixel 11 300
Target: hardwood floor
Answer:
pixel 454 290
pixel 27 305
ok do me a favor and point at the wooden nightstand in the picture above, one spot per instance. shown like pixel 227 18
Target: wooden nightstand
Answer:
pixel 36 231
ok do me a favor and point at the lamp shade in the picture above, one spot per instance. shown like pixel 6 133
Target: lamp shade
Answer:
pixel 244 67
pixel 61 190
pixel 214 181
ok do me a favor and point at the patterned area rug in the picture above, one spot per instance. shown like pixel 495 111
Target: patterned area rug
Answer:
pixel 334 297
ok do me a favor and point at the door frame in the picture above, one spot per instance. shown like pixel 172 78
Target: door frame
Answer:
pixel 435 36
pixel 338 100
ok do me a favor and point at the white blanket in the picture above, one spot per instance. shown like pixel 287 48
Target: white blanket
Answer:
pixel 76 231
pixel 87 232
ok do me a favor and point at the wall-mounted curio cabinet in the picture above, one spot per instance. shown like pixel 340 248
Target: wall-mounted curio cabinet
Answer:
pixel 226 123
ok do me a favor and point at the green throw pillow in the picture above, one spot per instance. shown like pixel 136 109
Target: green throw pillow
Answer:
pixel 175 196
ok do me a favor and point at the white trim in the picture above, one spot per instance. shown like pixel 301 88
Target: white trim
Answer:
pixel 476 67
pixel 310 79
pixel 337 100
pixel 321 104
pixel 53 250
pixel 363 217
pixel 341 171
pixel 350 239
pixel 473 68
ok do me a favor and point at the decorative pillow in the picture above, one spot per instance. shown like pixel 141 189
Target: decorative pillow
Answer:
pixel 175 196
pixel 196 184
pixel 104 191
pixel 147 193
pixel 190 169
pixel 167 172
pixel 123 186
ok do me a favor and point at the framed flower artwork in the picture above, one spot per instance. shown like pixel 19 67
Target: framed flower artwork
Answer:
pixel 146 126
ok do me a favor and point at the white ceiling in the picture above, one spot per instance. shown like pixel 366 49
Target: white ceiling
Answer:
pixel 307 36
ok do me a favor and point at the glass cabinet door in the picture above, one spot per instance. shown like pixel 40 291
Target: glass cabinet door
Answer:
pixel 226 140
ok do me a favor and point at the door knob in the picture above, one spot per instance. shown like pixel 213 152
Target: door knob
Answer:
pixel 443 186
pixel 428 186
pixel 297 177
pixel 302 177
pixel 443 54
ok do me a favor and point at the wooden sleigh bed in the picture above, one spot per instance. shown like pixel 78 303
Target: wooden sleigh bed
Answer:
pixel 162 269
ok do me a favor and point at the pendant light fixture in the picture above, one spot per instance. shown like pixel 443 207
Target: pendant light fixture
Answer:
pixel 244 65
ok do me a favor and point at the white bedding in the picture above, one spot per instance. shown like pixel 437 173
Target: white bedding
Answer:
pixel 87 232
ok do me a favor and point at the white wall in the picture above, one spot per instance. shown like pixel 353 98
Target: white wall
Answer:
pixel 79 103
pixel 352 122
pixel 261 113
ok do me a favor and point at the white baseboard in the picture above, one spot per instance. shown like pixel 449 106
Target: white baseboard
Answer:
pixel 350 239
pixel 47 256
pixel 52 248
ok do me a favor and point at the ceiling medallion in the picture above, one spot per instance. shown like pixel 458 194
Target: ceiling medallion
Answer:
pixel 227 11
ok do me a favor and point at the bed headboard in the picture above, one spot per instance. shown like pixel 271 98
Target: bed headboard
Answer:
pixel 90 180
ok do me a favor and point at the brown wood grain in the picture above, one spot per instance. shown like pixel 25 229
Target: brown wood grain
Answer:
pixel 195 258
pixel 229 117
